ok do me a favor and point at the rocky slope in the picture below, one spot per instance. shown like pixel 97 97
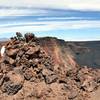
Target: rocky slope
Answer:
pixel 84 53
pixel 59 51
pixel 43 69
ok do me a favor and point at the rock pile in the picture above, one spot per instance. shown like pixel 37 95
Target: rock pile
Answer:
pixel 28 73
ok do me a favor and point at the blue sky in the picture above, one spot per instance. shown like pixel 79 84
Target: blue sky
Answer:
pixel 71 20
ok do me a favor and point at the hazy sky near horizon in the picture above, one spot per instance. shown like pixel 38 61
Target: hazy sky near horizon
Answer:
pixel 76 20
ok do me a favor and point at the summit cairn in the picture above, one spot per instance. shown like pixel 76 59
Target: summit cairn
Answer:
pixel 24 60
pixel 28 73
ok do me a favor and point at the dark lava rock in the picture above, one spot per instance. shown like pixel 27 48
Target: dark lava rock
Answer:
pixel 10 88
pixel 29 37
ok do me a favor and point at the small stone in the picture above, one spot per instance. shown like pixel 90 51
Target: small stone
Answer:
pixel 89 86
pixel 15 77
pixel 9 60
pixel 72 94
pixel 49 76
pixel 11 88
pixel 12 52
pixel 32 50
pixel 28 74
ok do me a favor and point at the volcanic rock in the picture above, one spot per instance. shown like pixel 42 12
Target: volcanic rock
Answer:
pixel 11 88
pixel 27 72
pixel 49 76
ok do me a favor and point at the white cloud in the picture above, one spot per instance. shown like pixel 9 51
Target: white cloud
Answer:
pixel 28 27
pixel 62 4
pixel 21 12
pixel 84 4
pixel 48 26
pixel 59 4
pixel 59 18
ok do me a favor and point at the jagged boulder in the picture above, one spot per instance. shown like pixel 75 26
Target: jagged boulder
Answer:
pixel 11 88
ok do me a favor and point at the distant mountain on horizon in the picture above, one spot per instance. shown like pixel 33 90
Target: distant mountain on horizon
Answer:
pixel 4 39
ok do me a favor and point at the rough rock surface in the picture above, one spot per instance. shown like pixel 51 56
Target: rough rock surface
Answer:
pixel 85 53
pixel 28 73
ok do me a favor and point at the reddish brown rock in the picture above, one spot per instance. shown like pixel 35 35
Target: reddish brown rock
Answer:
pixel 12 52
pixel 28 73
